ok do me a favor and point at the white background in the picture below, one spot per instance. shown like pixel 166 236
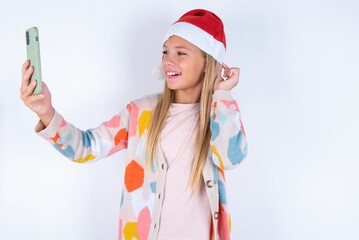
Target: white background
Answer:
pixel 298 93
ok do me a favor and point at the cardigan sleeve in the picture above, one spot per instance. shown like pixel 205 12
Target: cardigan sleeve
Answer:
pixel 90 145
pixel 228 140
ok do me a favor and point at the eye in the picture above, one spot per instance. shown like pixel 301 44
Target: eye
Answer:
pixel 181 54
pixel 164 52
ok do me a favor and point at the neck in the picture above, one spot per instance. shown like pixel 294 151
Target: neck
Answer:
pixel 181 97
pixel 188 95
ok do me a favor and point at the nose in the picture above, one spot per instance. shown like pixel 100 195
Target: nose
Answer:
pixel 167 60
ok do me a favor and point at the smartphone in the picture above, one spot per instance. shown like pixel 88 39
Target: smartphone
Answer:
pixel 33 54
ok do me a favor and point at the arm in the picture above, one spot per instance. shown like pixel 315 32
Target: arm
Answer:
pixel 90 145
pixel 77 145
pixel 228 142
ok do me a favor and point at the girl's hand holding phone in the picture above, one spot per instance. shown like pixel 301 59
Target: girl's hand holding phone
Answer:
pixel 229 80
pixel 39 103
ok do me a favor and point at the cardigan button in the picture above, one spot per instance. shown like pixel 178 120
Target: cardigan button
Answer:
pixel 209 183
pixel 163 166
pixel 215 215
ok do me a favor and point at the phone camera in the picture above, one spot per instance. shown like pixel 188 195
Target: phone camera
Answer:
pixel 27 38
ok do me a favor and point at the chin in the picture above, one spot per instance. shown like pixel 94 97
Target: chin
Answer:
pixel 172 85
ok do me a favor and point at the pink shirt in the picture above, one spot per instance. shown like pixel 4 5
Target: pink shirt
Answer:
pixel 184 216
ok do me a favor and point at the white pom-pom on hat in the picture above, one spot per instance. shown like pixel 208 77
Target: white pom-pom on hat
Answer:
pixel 157 73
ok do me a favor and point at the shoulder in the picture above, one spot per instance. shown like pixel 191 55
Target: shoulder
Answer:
pixel 223 95
pixel 147 102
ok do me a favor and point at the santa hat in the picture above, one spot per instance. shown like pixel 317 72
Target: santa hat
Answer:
pixel 203 29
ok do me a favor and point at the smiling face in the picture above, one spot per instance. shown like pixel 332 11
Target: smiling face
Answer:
pixel 183 64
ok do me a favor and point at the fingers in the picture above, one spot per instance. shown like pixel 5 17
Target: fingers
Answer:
pixel 219 72
pixel 33 98
pixel 25 66
pixel 228 80
pixel 28 90
pixel 229 72
pixel 225 66
pixel 233 72
pixel 26 77
pixel 225 72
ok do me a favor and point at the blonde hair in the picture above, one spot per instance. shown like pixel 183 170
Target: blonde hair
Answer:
pixel 204 134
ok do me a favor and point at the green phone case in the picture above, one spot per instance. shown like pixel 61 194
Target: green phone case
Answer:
pixel 33 54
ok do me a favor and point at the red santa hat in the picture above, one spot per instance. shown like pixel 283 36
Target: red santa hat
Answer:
pixel 203 29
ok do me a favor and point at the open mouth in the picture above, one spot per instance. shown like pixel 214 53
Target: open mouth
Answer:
pixel 173 74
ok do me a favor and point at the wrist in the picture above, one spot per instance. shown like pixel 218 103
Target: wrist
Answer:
pixel 47 117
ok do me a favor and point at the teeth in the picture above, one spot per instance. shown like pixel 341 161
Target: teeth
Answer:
pixel 173 73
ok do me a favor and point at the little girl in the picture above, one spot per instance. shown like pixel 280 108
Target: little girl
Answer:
pixel 178 142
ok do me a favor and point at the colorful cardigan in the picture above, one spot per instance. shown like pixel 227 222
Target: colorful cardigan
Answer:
pixel 141 200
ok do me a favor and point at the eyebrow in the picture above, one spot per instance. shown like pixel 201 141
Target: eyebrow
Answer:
pixel 177 47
